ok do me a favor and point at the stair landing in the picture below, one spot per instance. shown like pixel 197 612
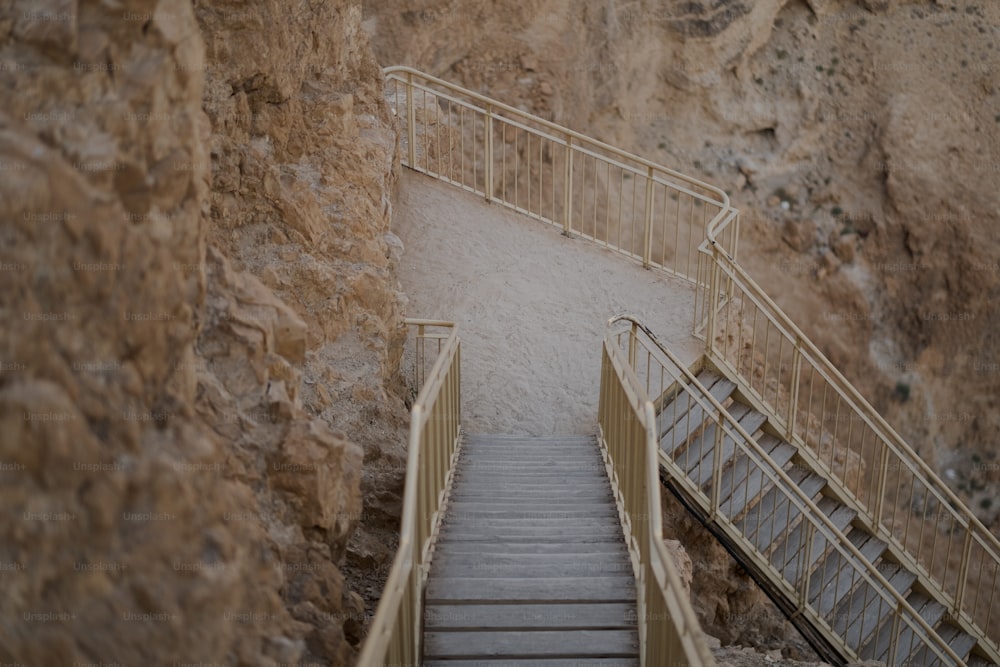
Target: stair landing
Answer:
pixel 531 566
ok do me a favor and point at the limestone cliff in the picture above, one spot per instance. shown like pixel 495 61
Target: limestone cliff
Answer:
pixel 201 331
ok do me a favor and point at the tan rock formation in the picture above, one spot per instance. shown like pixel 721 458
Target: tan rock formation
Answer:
pixel 201 331
pixel 303 157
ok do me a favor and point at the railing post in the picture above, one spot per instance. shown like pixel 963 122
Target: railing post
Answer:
pixel 568 186
pixel 735 234
pixel 963 573
pixel 421 353
pixel 804 591
pixel 883 474
pixel 793 394
pixel 489 152
pixel 713 301
pixel 717 464
pixel 647 235
pixel 631 346
pixel 896 622
pixel 411 124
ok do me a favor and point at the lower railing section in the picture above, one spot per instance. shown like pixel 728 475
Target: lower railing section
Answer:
pixel 897 495
pixel 669 633
pixel 394 637
pixel 660 374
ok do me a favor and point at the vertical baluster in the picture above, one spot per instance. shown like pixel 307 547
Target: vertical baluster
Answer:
pixel 411 123
pixel 647 216
pixel 488 167
pixel 568 187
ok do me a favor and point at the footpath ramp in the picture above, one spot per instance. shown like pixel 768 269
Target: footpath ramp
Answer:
pixel 532 304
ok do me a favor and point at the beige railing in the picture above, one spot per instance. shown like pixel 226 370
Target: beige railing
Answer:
pixel 660 374
pixel 687 228
pixel 430 338
pixel 669 633
pixel 897 495
pixel 652 214
pixel 435 424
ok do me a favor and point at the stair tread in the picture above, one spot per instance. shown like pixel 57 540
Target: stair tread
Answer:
pixel 960 642
pixel 752 483
pixel 908 642
pixel 528 548
pixel 453 521
pixel 538 644
pixel 608 615
pixel 530 565
pixel 751 421
pixel 786 554
pixel 826 588
pixel 685 418
pixel 860 613
pixel 608 588
pixel 776 514
pixel 534 662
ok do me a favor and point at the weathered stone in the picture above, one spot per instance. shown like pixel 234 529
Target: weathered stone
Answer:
pixel 845 246
pixel 800 235
pixel 682 561
pixel 161 472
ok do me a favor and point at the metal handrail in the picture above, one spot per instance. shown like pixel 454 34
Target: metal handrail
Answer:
pixel 720 283
pixel 395 635
pixel 522 161
pixel 889 450
pixel 668 628
pixel 489 102
pixel 684 380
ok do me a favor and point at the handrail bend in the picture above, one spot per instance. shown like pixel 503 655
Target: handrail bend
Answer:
pixel 648 212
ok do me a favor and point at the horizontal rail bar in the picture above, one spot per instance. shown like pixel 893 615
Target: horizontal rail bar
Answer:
pixel 400 69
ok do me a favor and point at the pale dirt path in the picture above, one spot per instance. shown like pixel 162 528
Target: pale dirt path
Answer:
pixel 531 306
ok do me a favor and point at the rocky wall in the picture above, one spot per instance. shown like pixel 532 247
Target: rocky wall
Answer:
pixel 201 332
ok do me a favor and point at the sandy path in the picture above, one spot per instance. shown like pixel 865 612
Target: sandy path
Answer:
pixel 531 306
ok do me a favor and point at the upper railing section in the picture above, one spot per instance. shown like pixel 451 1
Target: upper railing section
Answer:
pixel 648 212
pixel 395 634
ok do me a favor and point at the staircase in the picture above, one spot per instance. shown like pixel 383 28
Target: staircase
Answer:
pixel 530 566
pixel 522 559
pixel 761 509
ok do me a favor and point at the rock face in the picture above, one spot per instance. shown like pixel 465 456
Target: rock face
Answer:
pixel 201 331
pixel 729 604
pixel 303 152
pixel 860 140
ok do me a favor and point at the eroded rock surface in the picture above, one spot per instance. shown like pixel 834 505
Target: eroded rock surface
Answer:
pixel 201 332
